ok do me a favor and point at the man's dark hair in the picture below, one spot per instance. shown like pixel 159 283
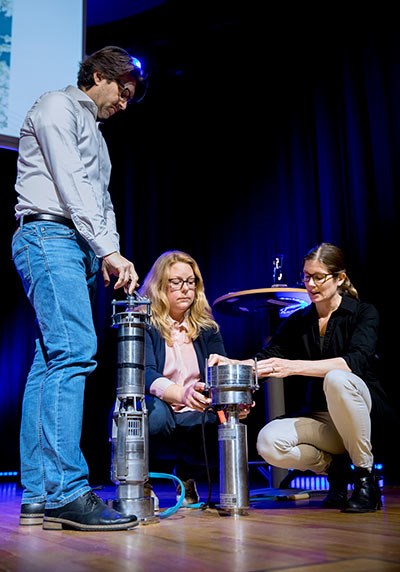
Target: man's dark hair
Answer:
pixel 113 63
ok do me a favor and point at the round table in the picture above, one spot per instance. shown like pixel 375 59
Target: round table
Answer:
pixel 284 299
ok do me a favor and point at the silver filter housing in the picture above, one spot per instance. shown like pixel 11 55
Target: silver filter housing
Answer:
pixel 230 387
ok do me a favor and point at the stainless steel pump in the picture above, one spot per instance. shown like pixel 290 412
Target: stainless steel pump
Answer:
pixel 130 459
pixel 230 387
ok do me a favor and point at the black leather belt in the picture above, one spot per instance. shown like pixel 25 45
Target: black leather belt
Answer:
pixel 49 218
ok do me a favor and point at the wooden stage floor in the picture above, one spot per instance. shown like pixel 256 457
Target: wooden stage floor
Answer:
pixel 272 535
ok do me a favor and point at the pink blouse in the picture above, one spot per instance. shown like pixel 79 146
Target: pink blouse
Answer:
pixel 181 365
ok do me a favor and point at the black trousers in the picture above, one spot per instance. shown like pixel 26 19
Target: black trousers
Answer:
pixel 184 444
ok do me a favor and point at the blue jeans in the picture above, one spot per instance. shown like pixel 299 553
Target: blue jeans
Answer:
pixel 59 271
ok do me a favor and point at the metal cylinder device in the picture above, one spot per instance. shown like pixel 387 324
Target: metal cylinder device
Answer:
pixel 230 387
pixel 129 463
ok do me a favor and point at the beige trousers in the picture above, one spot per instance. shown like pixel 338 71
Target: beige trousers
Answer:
pixel 308 443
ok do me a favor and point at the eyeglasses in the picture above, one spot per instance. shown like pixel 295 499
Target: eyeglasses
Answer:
pixel 317 278
pixel 125 93
pixel 177 283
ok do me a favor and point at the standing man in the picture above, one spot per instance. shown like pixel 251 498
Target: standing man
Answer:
pixel 66 229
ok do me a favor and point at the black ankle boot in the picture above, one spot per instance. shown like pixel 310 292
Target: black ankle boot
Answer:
pixel 366 496
pixel 339 475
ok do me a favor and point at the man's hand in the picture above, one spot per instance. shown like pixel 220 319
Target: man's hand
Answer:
pixel 115 264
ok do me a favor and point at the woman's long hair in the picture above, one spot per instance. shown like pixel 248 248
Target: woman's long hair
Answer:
pixel 155 288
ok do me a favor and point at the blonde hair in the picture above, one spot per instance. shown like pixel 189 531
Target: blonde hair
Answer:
pixel 155 288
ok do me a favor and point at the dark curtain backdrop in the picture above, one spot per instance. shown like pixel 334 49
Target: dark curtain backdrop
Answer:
pixel 261 133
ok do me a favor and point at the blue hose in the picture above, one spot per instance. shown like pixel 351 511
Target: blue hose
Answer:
pixel 172 510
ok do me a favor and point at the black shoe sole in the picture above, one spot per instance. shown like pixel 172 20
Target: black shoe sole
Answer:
pixel 360 510
pixel 52 523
